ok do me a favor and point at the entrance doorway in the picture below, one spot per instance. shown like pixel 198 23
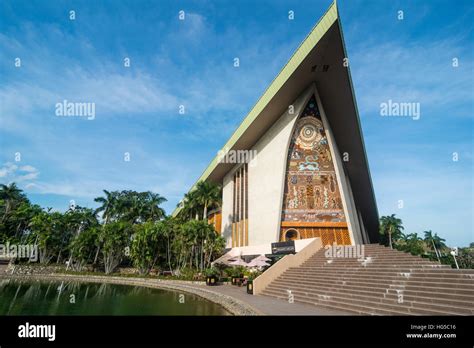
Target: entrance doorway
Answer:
pixel 292 234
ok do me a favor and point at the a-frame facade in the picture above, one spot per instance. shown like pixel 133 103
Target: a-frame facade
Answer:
pixel 307 174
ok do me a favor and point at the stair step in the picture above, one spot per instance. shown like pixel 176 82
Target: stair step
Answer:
pixel 370 278
pixel 372 287
pixel 358 271
pixel 400 273
pixel 469 292
pixel 405 268
pixel 381 303
pixel 364 307
pixel 346 306
pixel 393 295
pixel 459 301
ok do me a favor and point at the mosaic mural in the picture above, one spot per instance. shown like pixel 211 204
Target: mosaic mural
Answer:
pixel 311 189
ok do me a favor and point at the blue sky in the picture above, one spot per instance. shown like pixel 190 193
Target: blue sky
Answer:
pixel 190 63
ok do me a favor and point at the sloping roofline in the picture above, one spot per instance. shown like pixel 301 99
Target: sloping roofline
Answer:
pixel 311 40
pixel 323 46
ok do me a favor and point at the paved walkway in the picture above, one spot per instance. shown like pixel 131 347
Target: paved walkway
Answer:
pixel 273 306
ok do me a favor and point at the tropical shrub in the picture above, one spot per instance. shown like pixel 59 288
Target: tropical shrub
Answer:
pixel 114 238
pixel 209 272
pixel 82 248
pixel 147 246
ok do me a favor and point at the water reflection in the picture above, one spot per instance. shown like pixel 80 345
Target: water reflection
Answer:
pixel 35 297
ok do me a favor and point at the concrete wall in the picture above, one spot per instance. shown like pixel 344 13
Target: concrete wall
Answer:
pixel 267 176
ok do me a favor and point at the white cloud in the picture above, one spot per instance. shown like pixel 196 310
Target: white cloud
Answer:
pixel 8 169
pixel 26 177
pixel 413 72
pixel 10 172
pixel 193 26
pixel 28 168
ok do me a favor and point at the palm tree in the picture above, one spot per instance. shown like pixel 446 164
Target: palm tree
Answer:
pixel 436 241
pixel 429 240
pixel 131 206
pixel 413 237
pixel 403 237
pixel 154 202
pixel 10 194
pixel 190 206
pixel 108 209
pixel 109 205
pixel 414 244
pixel 208 194
pixel 392 226
pixel 439 242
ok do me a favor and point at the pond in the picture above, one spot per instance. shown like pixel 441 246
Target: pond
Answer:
pixel 44 297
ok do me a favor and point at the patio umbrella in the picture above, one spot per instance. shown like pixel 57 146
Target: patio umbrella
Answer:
pixel 224 259
pixel 263 258
pixel 258 264
pixel 259 261
pixel 239 262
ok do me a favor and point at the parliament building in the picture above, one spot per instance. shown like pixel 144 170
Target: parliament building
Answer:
pixel 308 174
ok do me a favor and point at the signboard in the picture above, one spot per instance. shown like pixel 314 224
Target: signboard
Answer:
pixel 282 248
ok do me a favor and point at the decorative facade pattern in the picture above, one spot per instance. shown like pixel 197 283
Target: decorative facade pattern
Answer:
pixel 240 236
pixel 328 235
pixel 311 190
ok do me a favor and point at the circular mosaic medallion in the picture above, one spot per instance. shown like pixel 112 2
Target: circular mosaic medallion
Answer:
pixel 309 134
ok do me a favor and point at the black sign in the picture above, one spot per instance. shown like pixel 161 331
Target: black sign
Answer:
pixel 282 248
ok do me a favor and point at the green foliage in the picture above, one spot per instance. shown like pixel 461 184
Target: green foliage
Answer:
pixel 410 243
pixel 16 214
pixel 196 244
pixel 253 275
pixel 466 257
pixel 82 248
pixel 131 206
pixel 236 271
pixel 390 229
pixel 188 273
pixel 114 238
pixel 431 246
pixel 434 240
pixel 435 243
pixel 147 245
pixel 130 222
pixel 205 196
pixel 47 232
pixel 209 272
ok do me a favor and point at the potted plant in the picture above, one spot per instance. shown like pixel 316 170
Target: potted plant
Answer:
pixel 212 275
pixel 236 274
pixel 250 286
pixel 250 279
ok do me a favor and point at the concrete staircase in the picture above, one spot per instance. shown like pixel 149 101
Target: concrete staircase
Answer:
pixel 386 282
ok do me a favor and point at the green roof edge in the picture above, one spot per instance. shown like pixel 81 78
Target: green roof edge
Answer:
pixel 309 42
